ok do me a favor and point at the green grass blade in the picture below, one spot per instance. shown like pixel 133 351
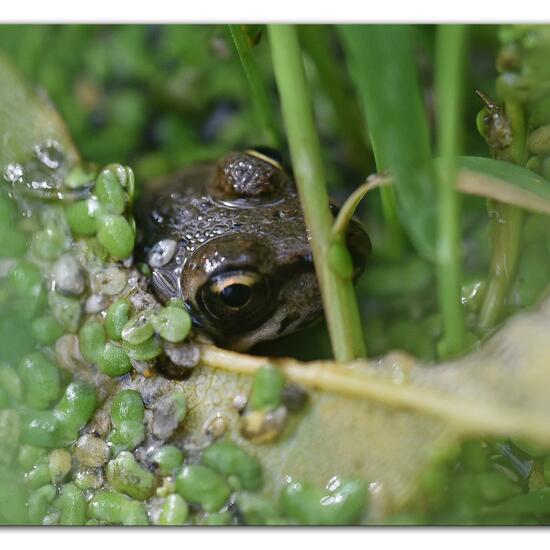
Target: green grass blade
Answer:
pixel 258 88
pixel 338 295
pixel 449 87
pixel 383 66
pixel 348 115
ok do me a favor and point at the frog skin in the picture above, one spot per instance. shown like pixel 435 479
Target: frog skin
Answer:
pixel 229 239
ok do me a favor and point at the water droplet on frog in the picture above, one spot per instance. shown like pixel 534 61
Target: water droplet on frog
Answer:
pixel 13 173
pixel 49 154
pixel 42 185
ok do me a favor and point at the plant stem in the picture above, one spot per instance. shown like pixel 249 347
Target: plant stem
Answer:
pixel 449 74
pixel 349 117
pixel 506 224
pixel 352 202
pixel 258 90
pixel 472 416
pixel 338 296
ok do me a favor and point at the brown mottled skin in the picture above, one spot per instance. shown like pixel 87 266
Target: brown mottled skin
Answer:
pixel 240 215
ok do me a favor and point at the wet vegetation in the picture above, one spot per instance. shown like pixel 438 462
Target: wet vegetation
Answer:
pixel 112 411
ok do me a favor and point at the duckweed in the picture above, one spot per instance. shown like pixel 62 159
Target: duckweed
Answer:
pixel 127 414
pixel 10 427
pixel 126 436
pixel 115 508
pixel 41 429
pixel 174 511
pixel 46 330
pixel 81 221
pixel 13 244
pixel 29 455
pixel 168 458
pixel 114 360
pixel 257 510
pixel 109 191
pixel 172 324
pixel 75 408
pixel 38 476
pixel 496 486
pixel 10 381
pixel 201 485
pixel 266 388
pixel 137 330
pixel 26 278
pixel 127 405
pixel 65 310
pixel 228 459
pixel 535 502
pixel 71 505
pixel 116 318
pixel 13 500
pixel 145 351
pixel 39 502
pixel 116 234
pixel 91 339
pixel 546 469
pixel 41 379
pixel 47 244
pixel 343 504
pixel 128 477
pixel 217 518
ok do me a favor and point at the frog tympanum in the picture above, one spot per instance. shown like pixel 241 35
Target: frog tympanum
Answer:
pixel 229 239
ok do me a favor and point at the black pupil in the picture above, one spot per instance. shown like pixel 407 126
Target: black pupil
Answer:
pixel 236 295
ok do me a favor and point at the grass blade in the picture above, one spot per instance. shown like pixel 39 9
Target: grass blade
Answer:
pixel 449 74
pixel 349 118
pixel 338 295
pixel 258 89
pixel 383 66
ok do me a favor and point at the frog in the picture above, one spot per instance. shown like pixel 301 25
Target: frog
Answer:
pixel 228 238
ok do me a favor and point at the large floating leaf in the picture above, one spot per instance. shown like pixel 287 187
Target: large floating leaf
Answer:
pixel 387 419
pixel 27 119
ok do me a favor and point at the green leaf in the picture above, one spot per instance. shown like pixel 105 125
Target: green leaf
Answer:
pixel 385 421
pixel 27 119
pixel 505 182
pixel 381 59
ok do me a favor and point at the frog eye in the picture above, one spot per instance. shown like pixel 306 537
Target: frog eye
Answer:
pixel 235 295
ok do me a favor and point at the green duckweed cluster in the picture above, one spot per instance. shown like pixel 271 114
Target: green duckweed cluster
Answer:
pixel 497 482
pixel 67 343
pixel 82 444
pixel 73 467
